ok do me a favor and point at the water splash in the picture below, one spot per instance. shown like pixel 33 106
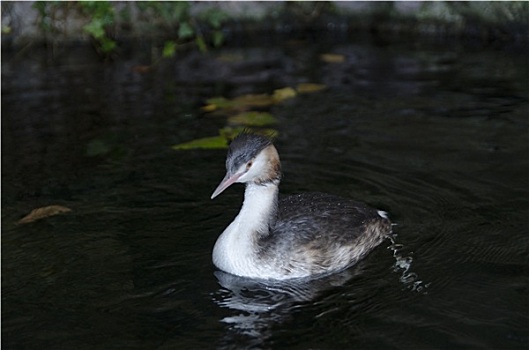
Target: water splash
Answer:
pixel 403 265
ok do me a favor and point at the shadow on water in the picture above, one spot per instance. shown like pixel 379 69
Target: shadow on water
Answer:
pixel 436 136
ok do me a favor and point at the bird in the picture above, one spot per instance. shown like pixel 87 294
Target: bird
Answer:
pixel 275 237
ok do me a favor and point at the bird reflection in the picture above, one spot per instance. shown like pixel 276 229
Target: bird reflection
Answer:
pixel 258 305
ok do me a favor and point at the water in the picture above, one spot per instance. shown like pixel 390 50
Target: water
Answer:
pixel 435 135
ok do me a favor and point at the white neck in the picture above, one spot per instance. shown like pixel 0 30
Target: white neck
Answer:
pixel 235 250
pixel 260 203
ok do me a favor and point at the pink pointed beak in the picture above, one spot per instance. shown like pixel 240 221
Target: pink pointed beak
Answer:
pixel 225 183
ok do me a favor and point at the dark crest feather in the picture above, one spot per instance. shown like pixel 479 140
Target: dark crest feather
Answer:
pixel 245 147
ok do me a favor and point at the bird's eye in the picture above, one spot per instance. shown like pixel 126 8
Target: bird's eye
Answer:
pixel 248 165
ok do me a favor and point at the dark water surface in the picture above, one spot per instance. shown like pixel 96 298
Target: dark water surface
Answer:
pixel 436 136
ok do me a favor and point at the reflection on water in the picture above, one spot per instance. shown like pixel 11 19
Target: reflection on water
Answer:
pixel 259 305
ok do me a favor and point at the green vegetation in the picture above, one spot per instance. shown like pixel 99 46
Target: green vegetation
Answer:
pixel 178 25
pixel 175 17
pixel 101 14
pixel 103 21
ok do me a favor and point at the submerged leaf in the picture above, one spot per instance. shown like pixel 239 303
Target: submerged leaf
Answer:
pixel 253 119
pixel 230 58
pixel 213 142
pixel 309 87
pixel 142 69
pixel 332 58
pixel 97 147
pixel 44 212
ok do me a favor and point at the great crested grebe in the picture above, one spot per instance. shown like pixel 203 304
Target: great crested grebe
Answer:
pixel 303 235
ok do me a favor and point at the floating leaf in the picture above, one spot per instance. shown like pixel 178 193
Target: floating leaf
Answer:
pixel 213 142
pixel 240 103
pixel 222 140
pixel 332 58
pixel 229 132
pixel 309 87
pixel 253 100
pixel 44 212
pixel 209 108
pixel 253 119
pixel 216 103
pixel 284 94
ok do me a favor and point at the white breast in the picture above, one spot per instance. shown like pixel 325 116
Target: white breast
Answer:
pixel 236 249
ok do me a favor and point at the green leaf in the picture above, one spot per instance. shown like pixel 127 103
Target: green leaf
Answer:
pixel 216 19
pixel 185 31
pixel 201 44
pixel 169 48
pixel 213 142
pixel 95 28
pixel 180 9
pixel 253 119
pixel 107 45
pixel 218 38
